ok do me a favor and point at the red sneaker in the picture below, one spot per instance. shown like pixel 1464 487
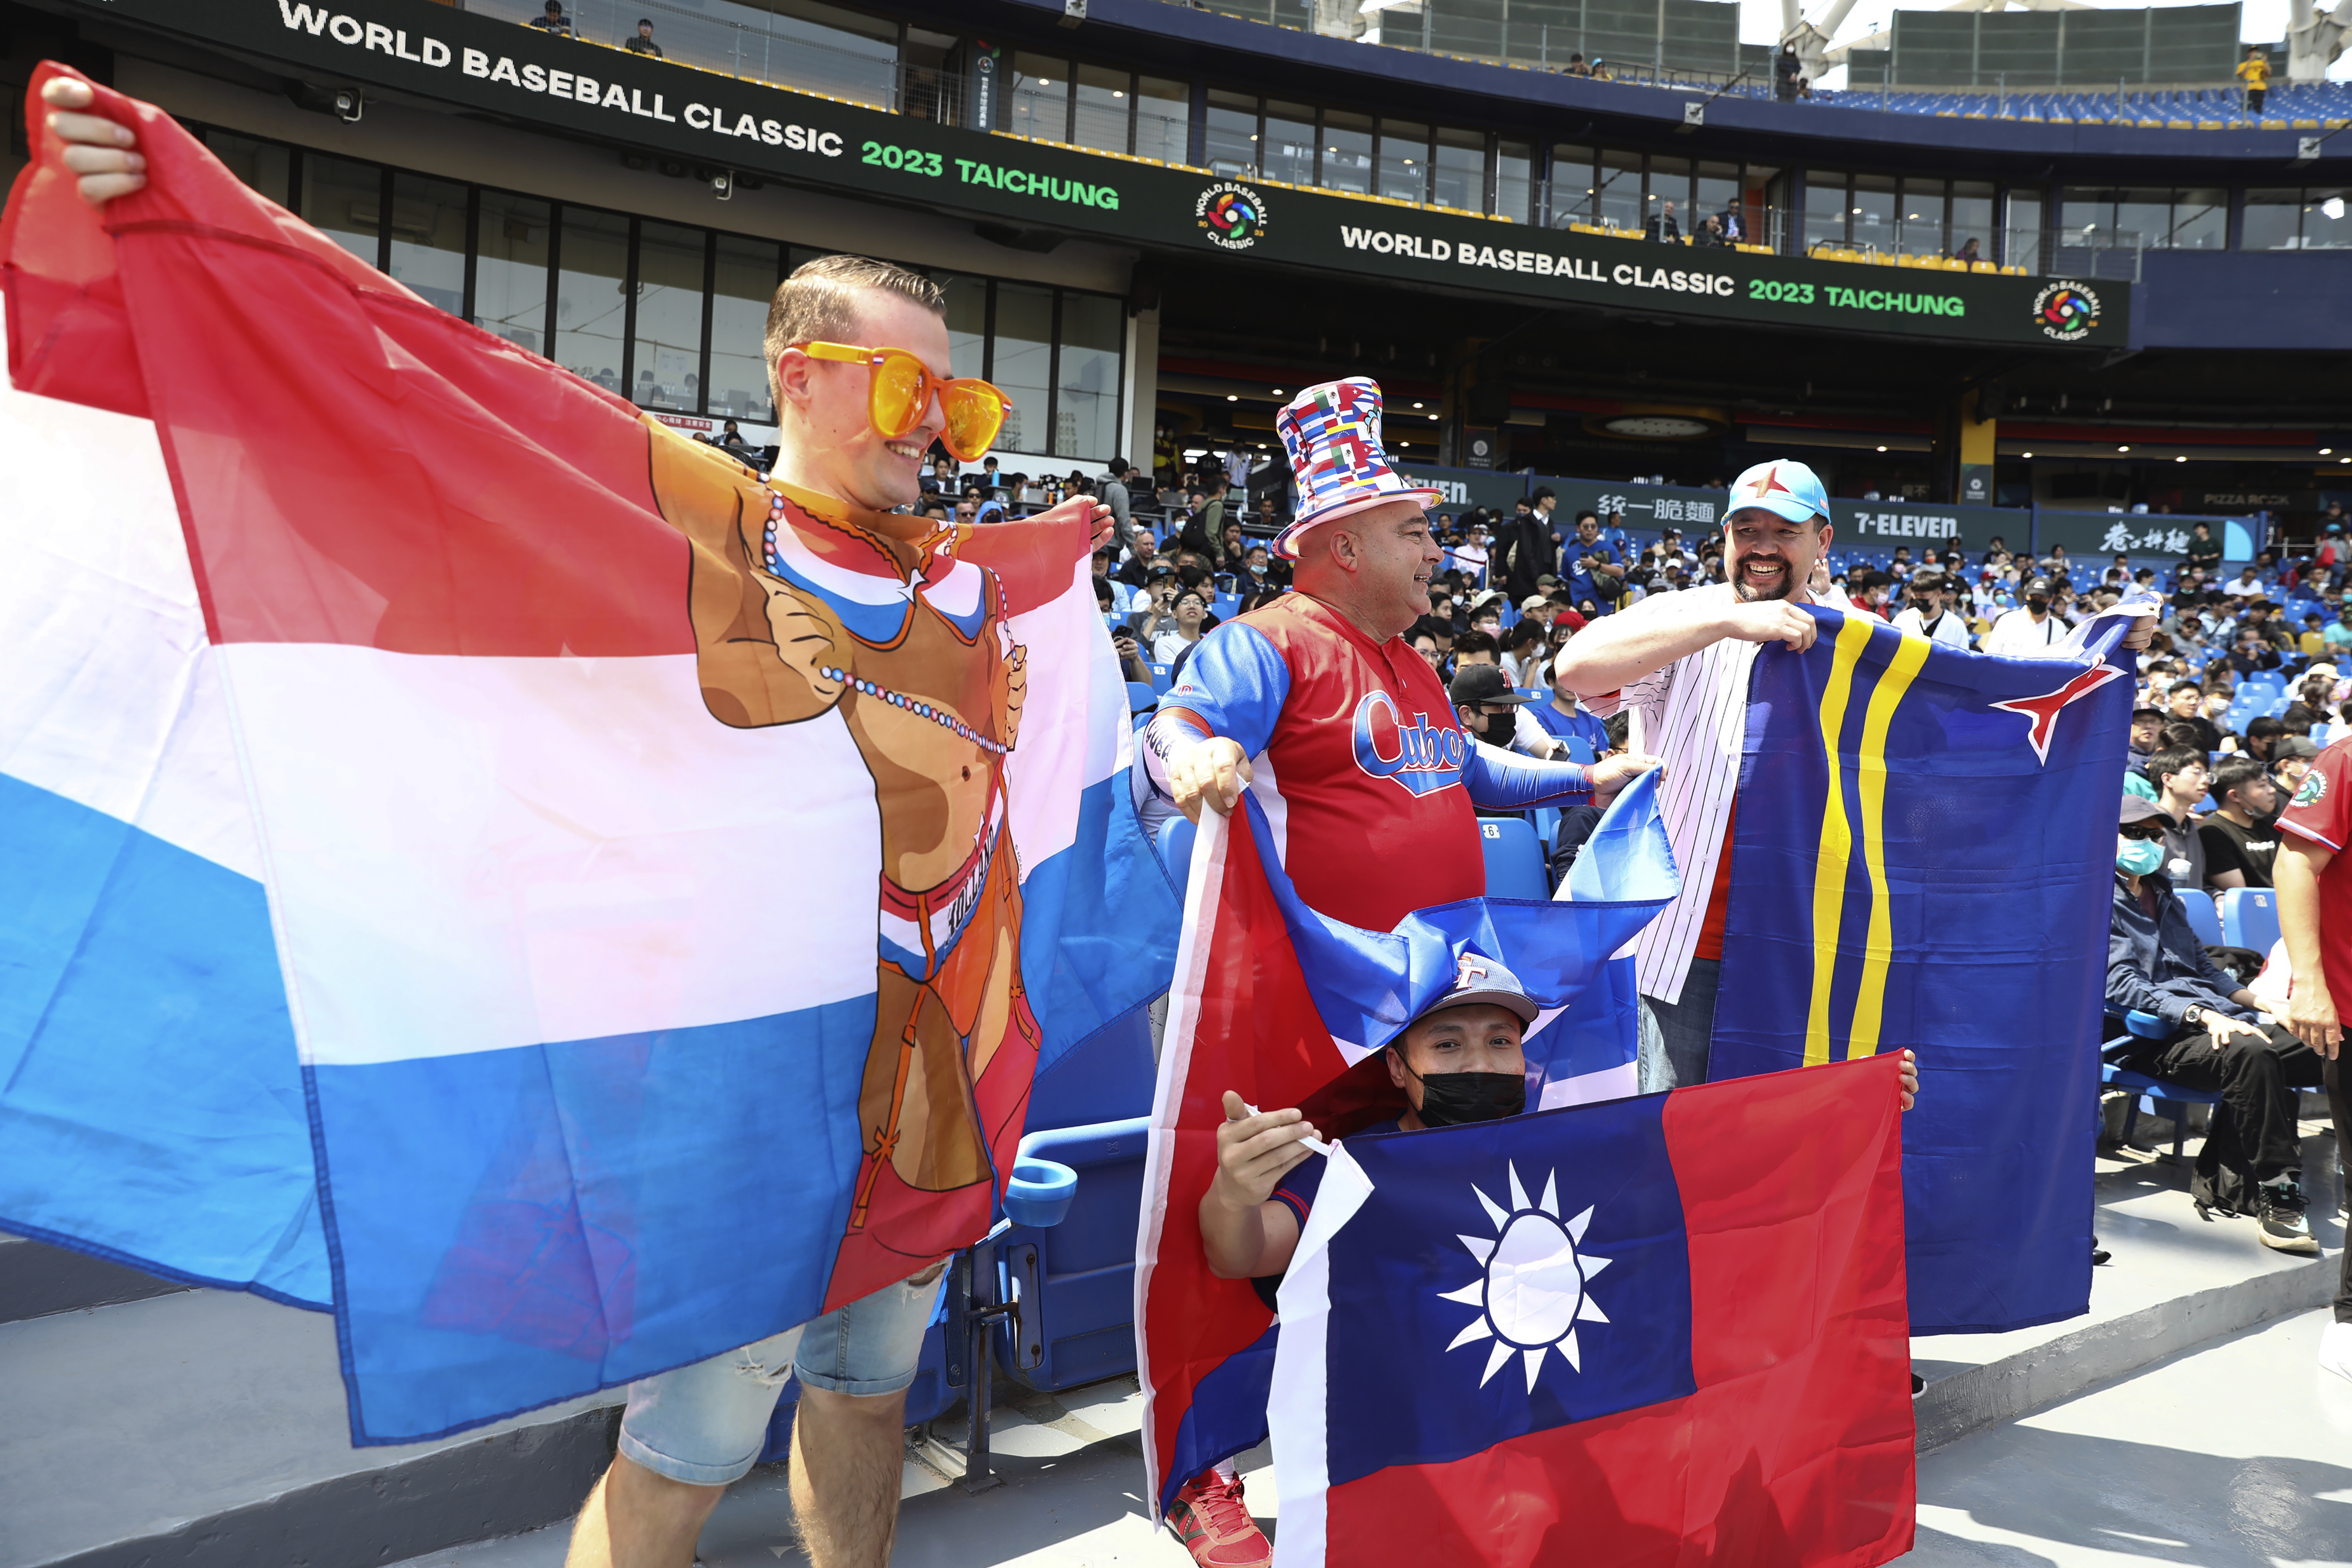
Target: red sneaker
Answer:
pixel 1209 1518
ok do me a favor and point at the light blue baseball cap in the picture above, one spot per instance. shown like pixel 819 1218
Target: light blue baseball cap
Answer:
pixel 1785 489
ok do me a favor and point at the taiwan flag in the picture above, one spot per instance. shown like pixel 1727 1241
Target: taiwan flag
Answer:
pixel 1645 1331
pixel 1285 1007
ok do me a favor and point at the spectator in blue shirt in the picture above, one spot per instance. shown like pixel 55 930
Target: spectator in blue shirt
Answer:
pixel 1545 728
pixel 1596 570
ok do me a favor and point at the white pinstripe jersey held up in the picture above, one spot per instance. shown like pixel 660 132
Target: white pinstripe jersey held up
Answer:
pixel 1692 714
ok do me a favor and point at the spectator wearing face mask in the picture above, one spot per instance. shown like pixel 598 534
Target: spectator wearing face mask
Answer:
pixel 2253 1158
pixel 2030 629
pixel 1488 707
pixel 1525 657
pixel 2242 838
pixel 1924 615
pixel 2290 759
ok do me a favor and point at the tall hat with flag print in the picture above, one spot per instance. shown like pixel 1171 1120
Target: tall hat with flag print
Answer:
pixel 1783 488
pixel 1332 433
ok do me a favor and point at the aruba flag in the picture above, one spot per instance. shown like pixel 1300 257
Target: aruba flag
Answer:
pixel 1645 1332
pixel 1288 1006
pixel 1933 872
pixel 672 882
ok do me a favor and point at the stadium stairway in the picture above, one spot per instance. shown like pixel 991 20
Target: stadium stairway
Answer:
pixel 149 1425
pixel 157 1427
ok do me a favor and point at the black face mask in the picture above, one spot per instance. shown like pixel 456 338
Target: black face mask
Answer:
pixel 1452 1099
pixel 2036 603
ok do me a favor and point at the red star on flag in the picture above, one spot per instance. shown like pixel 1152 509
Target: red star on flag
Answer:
pixel 2043 710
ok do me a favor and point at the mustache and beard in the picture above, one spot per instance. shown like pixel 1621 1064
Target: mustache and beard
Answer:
pixel 1784 586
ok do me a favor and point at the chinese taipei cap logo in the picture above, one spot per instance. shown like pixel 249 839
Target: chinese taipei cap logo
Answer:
pixel 1231 214
pixel 2067 312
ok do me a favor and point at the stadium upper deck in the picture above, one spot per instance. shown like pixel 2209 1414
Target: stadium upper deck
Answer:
pixel 1276 206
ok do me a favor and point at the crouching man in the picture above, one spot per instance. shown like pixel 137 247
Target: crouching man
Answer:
pixel 1460 1062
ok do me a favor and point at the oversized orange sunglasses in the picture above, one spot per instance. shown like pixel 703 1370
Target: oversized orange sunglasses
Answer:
pixel 900 389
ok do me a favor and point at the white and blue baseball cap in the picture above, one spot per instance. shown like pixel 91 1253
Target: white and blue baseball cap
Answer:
pixel 1478 978
pixel 1785 489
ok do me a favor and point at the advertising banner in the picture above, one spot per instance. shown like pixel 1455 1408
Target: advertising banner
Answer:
pixel 1459 489
pixel 2095 538
pixel 502 68
pixel 1867 524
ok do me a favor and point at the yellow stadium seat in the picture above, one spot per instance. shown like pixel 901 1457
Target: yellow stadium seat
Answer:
pixel 2273 125
pixel 1906 261
pixel 2212 125
pixel 2180 125
pixel 2306 125
pixel 1982 266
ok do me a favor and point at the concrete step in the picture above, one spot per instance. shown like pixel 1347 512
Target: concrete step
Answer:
pixel 201 1430
pixel 1073 1461
pixel 208 1429
pixel 2176 1281
pixel 37 1280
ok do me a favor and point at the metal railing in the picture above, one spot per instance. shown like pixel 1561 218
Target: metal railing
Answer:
pixel 754 43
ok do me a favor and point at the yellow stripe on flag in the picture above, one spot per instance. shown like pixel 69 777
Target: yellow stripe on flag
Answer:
pixel 1837 839
pixel 1870 1000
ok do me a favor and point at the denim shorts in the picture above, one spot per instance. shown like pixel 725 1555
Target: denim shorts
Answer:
pixel 706 1424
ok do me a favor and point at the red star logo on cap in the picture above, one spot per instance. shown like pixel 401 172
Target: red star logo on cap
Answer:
pixel 1772 482
pixel 2043 710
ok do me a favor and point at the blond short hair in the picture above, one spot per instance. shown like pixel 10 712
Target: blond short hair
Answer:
pixel 818 303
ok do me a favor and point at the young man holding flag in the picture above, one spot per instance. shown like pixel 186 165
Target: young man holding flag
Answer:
pixel 815 598
pixel 1460 1062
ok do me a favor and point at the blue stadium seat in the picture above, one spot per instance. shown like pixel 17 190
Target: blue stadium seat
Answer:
pixel 1515 862
pixel 1174 842
pixel 1142 696
pixel 2152 1094
pixel 2202 917
pixel 1159 681
pixel 2249 918
pixel 1091 1111
pixel 1545 820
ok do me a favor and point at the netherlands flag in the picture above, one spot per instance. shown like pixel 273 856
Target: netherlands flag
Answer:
pixel 1645 1332
pixel 1287 1007
pixel 672 885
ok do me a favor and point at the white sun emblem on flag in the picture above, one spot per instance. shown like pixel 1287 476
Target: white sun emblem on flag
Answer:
pixel 1530 1295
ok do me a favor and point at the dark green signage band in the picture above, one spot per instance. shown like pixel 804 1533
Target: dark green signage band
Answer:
pixel 517 73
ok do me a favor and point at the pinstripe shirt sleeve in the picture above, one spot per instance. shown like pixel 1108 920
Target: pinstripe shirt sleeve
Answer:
pixel 1700 731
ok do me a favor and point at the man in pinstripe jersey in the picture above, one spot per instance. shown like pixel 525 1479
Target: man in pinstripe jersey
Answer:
pixel 1679 664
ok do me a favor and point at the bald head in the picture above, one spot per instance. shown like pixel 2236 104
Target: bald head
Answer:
pixel 1372 565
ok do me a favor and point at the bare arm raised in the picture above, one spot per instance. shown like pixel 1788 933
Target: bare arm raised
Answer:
pixel 1618 650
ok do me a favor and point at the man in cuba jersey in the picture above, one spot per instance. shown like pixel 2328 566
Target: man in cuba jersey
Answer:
pixel 1319 705
pixel 1319 708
